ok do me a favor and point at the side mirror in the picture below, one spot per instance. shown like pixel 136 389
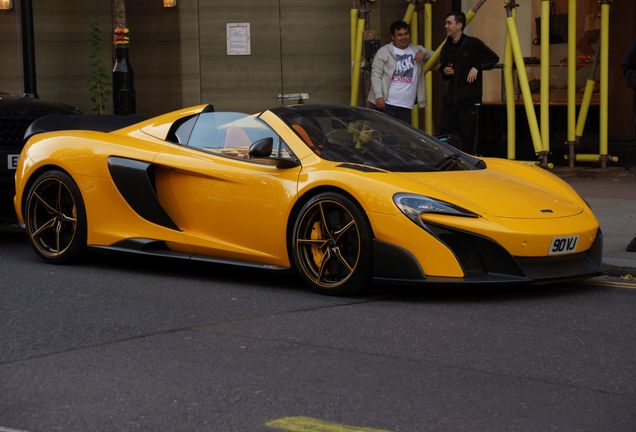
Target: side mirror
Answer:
pixel 261 148
pixel 284 163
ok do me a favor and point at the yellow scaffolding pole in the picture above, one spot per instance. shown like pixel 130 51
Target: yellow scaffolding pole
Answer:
pixel 409 12
pixel 510 95
pixel 523 80
pixel 603 156
pixel 571 133
pixel 585 105
pixel 428 76
pixel 355 82
pixel 595 158
pixel 604 81
pixel 353 25
pixel 545 76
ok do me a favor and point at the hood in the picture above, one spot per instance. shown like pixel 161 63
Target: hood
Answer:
pixel 491 192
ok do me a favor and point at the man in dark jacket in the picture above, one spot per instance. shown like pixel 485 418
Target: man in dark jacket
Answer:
pixel 462 60
pixel 629 70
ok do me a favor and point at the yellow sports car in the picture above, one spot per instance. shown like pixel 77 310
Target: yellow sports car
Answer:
pixel 343 195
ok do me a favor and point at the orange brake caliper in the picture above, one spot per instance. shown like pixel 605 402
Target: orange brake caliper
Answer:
pixel 316 234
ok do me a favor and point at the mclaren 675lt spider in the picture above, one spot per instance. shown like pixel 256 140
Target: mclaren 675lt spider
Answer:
pixel 343 195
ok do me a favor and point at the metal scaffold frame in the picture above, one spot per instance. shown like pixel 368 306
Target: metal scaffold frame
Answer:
pixel 540 136
pixel 513 59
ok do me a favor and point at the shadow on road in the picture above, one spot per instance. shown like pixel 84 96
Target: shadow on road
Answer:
pixel 289 280
pixel 453 293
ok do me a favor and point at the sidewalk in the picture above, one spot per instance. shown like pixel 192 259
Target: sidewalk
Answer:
pixel 611 192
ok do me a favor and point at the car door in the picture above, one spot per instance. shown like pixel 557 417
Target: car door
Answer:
pixel 228 205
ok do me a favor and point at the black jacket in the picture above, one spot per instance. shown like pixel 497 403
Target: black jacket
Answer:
pixel 629 66
pixel 629 69
pixel 467 53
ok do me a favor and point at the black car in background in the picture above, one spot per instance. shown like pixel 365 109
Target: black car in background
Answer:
pixel 16 114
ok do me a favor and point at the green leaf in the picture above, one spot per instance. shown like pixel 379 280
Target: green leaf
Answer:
pixel 98 79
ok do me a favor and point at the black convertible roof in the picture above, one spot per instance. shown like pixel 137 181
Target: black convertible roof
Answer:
pixel 100 123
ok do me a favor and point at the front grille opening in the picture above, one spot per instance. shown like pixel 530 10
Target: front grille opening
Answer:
pixel 476 254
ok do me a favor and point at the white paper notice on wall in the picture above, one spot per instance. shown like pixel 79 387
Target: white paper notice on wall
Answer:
pixel 238 38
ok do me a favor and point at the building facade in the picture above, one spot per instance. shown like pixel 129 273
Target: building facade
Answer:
pixel 180 55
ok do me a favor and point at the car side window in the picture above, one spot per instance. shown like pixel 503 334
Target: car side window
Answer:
pixel 232 134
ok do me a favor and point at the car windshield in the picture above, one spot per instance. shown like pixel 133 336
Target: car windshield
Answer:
pixel 367 137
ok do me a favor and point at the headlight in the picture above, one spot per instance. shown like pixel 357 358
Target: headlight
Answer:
pixel 414 205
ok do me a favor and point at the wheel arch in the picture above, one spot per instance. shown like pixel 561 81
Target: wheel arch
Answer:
pixel 34 175
pixel 306 196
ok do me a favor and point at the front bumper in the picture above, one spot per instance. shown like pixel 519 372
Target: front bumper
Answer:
pixel 484 261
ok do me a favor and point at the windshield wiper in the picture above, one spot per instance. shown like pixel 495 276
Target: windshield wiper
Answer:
pixel 480 164
pixel 448 162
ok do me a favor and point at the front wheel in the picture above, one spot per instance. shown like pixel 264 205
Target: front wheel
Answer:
pixel 332 245
pixel 55 218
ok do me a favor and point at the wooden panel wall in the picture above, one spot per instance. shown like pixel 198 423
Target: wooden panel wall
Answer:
pixel 10 52
pixel 164 52
pixel 240 83
pixel 61 48
pixel 316 50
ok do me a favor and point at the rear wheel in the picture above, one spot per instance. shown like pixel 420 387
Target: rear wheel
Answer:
pixel 55 218
pixel 332 245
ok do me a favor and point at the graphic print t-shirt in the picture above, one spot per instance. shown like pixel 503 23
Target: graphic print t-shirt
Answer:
pixel 404 80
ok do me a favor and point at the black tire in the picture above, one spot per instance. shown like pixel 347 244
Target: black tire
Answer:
pixel 332 245
pixel 55 218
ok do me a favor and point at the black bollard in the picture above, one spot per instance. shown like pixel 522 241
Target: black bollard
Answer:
pixel 123 77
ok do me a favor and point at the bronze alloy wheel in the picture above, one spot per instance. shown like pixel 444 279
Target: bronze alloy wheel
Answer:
pixel 331 244
pixel 55 217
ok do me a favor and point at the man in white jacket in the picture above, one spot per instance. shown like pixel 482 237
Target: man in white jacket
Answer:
pixel 396 78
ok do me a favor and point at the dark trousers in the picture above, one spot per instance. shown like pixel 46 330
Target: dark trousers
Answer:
pixel 461 120
pixel 397 112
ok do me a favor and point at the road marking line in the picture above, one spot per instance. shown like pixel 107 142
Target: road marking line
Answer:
pixel 4 429
pixel 615 284
pixel 308 424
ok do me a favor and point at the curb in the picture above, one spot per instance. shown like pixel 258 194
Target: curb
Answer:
pixel 591 173
pixel 614 270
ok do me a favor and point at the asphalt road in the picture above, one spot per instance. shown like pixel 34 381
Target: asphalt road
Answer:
pixel 123 343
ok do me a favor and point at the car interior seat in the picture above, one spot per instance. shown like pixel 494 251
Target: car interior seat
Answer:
pixel 304 131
